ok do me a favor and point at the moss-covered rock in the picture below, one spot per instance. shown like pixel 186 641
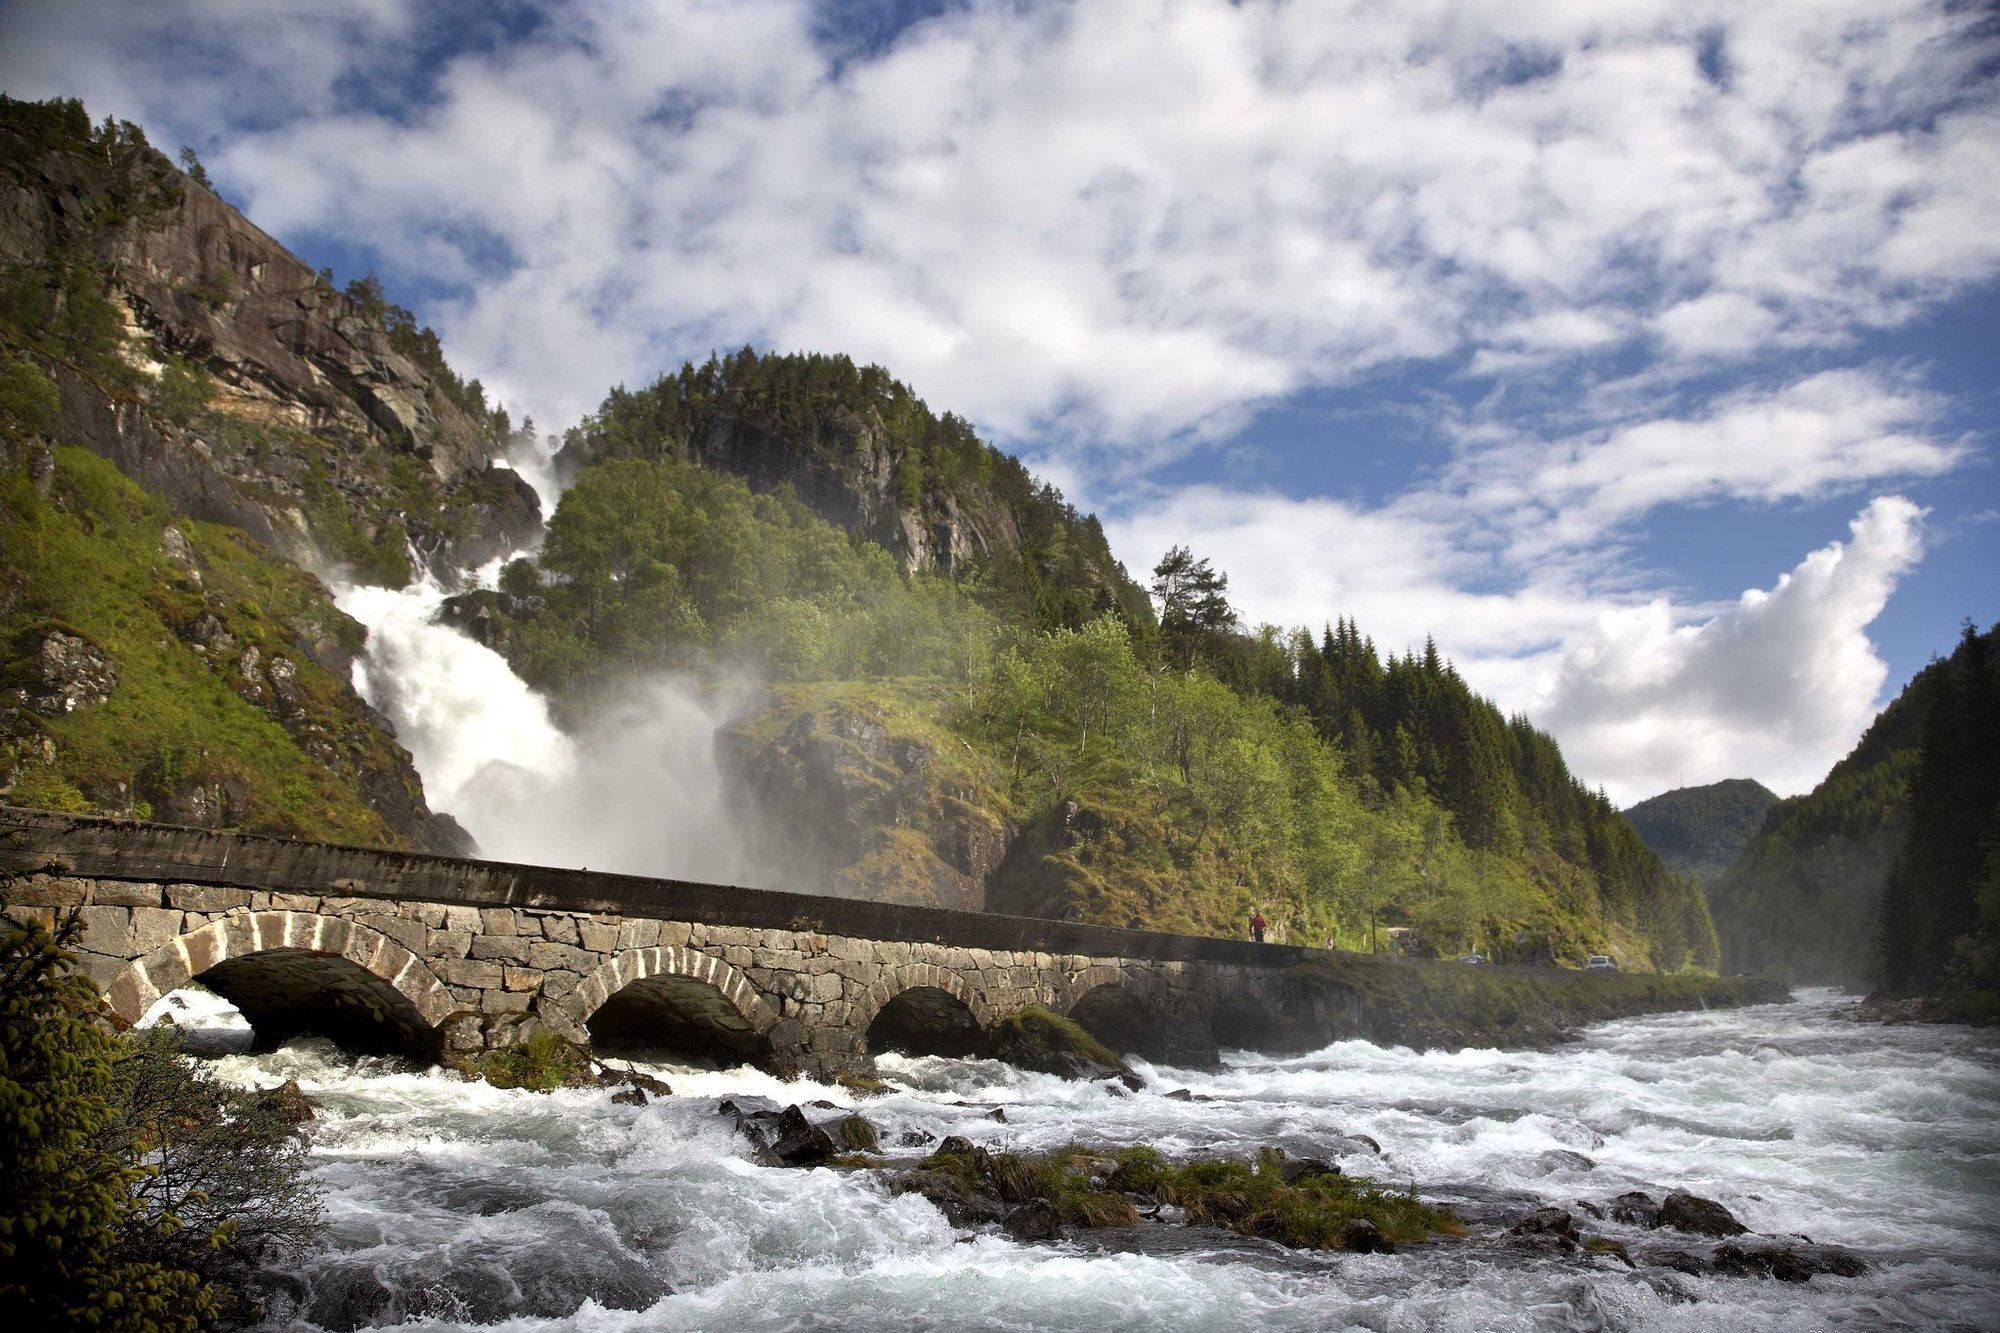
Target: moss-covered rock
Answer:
pixel 541 1062
pixel 1035 1038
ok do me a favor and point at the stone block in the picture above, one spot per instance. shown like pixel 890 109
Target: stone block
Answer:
pixel 25 915
pixel 206 897
pixel 736 955
pixel 641 933
pixel 107 930
pixel 410 934
pixel 468 972
pixel 119 893
pixel 431 914
pixel 560 929
pixel 826 986
pixel 468 919
pixel 506 948
pixel 547 956
pixel 295 902
pixel 598 936
pixel 523 978
pixel 449 943
pixel 675 934
pixel 102 969
pixel 505 1001
pixel 462 1033
pixel 555 985
pixel 497 921
pixel 154 927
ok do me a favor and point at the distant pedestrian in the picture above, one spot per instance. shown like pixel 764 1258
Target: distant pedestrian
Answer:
pixel 1257 924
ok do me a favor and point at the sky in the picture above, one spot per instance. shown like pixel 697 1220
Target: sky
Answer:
pixel 1645 353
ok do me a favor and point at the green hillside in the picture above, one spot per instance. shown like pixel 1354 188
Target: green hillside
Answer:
pixel 1698 831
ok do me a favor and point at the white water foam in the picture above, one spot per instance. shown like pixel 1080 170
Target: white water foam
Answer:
pixel 639 791
pixel 460 1206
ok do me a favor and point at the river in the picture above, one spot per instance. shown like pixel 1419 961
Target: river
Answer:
pixel 455 1205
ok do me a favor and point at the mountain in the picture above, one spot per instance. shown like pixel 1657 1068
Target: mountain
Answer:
pixel 190 418
pixel 1804 898
pixel 1699 830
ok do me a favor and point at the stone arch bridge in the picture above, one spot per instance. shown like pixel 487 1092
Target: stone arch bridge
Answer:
pixel 427 954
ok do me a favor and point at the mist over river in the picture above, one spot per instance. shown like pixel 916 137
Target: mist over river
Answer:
pixel 455 1205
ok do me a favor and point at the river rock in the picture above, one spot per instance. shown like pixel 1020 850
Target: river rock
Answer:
pixel 915 1138
pixel 288 1102
pixel 1360 1143
pixel 1681 1261
pixel 1698 1216
pixel 1035 1220
pixel 629 1097
pixel 1547 1229
pixel 857 1133
pixel 1635 1208
pixel 1561 1159
pixel 799 1141
pixel 1785 1261
pixel 1364 1237
pixel 1297 1169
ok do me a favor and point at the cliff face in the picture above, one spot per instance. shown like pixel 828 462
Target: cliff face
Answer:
pixel 296 419
pixel 163 651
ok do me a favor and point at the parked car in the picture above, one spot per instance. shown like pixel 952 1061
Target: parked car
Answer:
pixel 1474 958
pixel 1600 963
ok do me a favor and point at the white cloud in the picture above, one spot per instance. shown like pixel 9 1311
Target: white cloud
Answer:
pixel 1122 221
pixel 1779 685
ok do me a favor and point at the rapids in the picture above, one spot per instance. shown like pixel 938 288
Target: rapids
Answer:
pixel 454 1205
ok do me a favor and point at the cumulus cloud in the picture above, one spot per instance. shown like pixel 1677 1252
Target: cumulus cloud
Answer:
pixel 1111 232
pixel 1779 685
pixel 1128 221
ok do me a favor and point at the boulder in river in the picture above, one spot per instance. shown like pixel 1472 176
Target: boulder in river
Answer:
pixel 1635 1208
pixel 1035 1038
pixel 1785 1261
pixel 1295 1169
pixel 288 1102
pixel 1698 1216
pixel 856 1133
pixel 1547 1229
pixel 1562 1159
pixel 799 1141
pixel 1364 1237
pixel 1034 1220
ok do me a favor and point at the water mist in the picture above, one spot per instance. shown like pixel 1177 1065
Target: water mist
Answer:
pixel 638 790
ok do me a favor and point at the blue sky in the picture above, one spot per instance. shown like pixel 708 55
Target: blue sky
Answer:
pixel 1644 354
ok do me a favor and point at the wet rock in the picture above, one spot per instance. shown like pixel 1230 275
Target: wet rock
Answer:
pixel 961 1206
pixel 1698 1216
pixel 632 1078
pixel 1360 1143
pixel 1035 1220
pixel 1584 1205
pixel 1786 1262
pixel 1562 1159
pixel 1000 1114
pixel 915 1138
pixel 629 1097
pixel 1364 1237
pixel 1681 1261
pixel 288 1102
pixel 1547 1228
pixel 1034 1038
pixel 1635 1208
pixel 1598 1245
pixel 1180 1095
pixel 1296 1169
pixel 856 1133
pixel 799 1141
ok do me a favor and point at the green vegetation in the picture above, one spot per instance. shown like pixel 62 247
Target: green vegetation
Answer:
pixel 1085 1187
pixel 661 563
pixel 1804 898
pixel 196 707
pixel 830 423
pixel 1939 928
pixel 541 1063
pixel 1698 831
pixel 135 1193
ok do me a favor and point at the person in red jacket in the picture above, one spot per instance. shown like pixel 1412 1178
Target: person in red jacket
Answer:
pixel 1257 924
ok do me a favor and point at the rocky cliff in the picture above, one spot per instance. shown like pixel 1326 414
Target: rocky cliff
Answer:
pixel 163 651
pixel 225 375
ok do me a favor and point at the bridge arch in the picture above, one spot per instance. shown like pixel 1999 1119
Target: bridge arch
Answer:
pixel 298 972
pixel 675 1000
pixel 1123 1012
pixel 923 1009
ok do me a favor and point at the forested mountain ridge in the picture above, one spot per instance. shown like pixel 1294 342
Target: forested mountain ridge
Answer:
pixel 862 451
pixel 1805 899
pixel 162 653
pixel 1699 830
pixel 936 736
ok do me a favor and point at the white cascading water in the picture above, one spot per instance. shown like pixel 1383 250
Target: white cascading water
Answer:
pixel 457 1207
pixel 638 791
